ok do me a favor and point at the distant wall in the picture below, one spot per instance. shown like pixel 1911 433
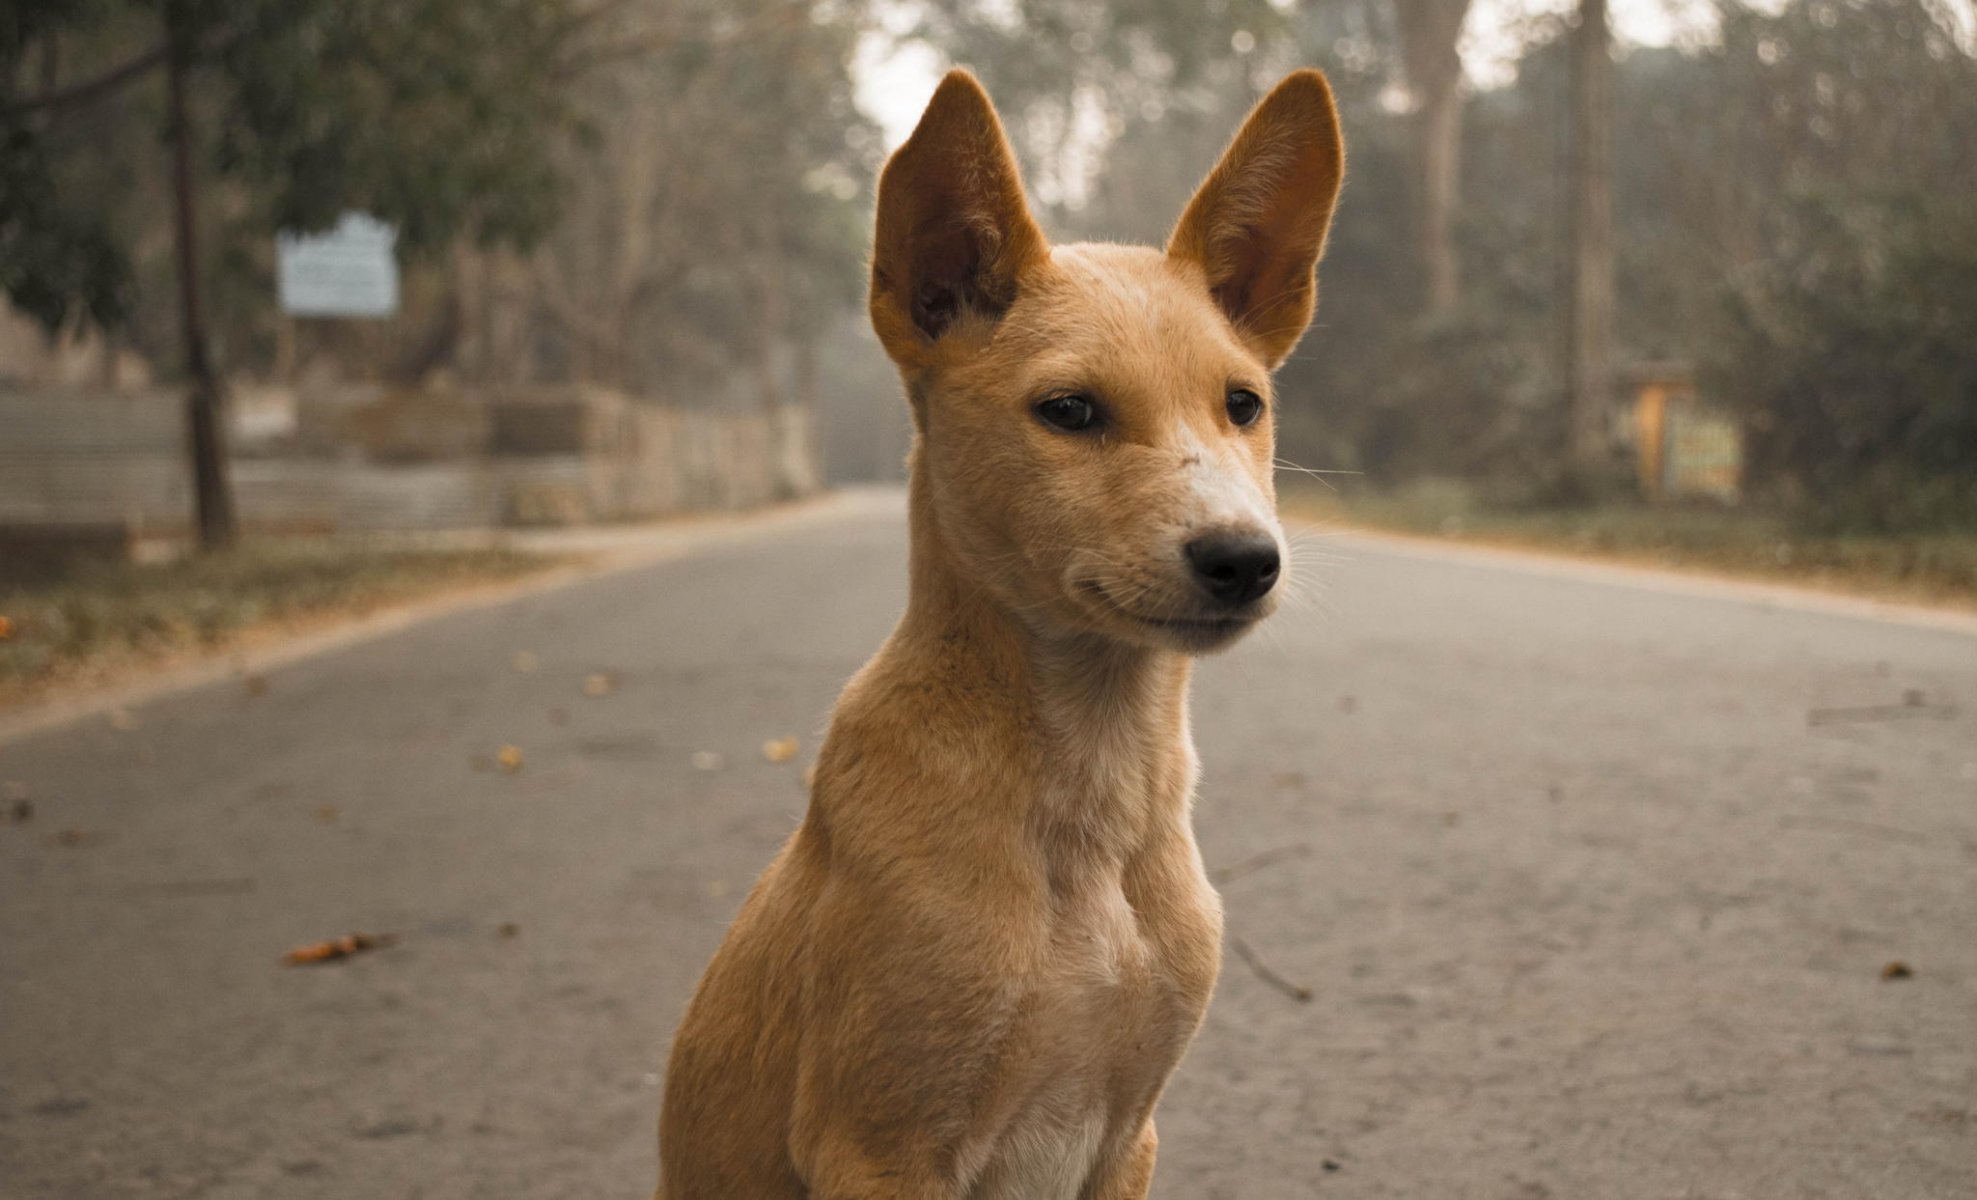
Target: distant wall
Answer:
pixel 83 457
pixel 396 461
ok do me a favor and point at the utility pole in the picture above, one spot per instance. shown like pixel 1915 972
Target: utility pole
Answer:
pixel 1589 382
pixel 212 495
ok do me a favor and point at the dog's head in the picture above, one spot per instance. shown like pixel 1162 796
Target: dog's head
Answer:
pixel 1096 422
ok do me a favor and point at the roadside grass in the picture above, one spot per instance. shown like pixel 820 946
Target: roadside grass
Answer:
pixel 95 621
pixel 1935 568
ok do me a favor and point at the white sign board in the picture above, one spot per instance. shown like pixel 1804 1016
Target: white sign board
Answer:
pixel 347 272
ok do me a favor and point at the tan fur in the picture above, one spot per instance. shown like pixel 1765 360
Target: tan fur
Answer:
pixel 971 970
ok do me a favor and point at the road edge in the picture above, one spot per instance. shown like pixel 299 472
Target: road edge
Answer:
pixel 1698 584
pixel 604 553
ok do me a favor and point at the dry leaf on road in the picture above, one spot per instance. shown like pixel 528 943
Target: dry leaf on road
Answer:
pixel 335 948
pixel 780 750
pixel 526 661
pixel 509 759
pixel 599 684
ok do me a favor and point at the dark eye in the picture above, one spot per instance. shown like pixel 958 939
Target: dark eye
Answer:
pixel 1244 406
pixel 1071 413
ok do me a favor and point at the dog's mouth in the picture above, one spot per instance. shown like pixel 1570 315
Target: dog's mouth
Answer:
pixel 1196 628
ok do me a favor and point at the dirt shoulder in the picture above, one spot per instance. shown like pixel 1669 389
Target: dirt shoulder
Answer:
pixel 1930 570
pixel 100 624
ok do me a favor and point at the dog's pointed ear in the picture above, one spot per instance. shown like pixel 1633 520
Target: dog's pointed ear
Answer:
pixel 1257 224
pixel 953 231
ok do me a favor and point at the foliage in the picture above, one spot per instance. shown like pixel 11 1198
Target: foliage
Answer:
pixel 723 206
pixel 55 260
pixel 432 114
pixel 1852 355
pixel 1792 216
pixel 1791 201
pixel 1068 71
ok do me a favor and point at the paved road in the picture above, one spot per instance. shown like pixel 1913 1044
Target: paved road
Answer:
pixel 1593 886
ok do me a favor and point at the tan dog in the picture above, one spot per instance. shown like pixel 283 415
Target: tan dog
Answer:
pixel 971 970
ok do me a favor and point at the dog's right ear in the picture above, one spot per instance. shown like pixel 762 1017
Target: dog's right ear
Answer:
pixel 954 231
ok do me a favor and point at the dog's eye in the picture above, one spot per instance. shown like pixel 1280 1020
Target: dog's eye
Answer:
pixel 1244 406
pixel 1071 413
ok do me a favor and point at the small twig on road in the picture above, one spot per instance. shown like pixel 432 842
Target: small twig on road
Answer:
pixel 1256 862
pixel 1914 706
pixel 1255 963
pixel 176 888
pixel 1865 828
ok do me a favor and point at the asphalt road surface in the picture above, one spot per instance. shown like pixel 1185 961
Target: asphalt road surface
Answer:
pixel 1593 885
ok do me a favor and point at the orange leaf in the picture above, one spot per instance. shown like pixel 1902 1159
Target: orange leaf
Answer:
pixel 335 948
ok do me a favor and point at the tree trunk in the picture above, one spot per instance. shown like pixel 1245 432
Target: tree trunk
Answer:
pixel 1429 31
pixel 770 326
pixel 1441 166
pixel 807 373
pixel 1590 371
pixel 213 497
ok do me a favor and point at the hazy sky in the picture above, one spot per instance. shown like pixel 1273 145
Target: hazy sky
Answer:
pixel 895 78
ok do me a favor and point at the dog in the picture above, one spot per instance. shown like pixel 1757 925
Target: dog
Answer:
pixel 972 968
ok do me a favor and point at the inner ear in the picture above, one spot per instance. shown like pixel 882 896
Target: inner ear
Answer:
pixel 953 230
pixel 935 308
pixel 949 263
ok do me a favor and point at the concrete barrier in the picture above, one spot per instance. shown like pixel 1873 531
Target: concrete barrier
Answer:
pixel 547 456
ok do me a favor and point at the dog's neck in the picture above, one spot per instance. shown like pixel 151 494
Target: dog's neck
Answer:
pixel 1111 717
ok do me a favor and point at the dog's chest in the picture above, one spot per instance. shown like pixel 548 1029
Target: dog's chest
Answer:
pixel 1099 1028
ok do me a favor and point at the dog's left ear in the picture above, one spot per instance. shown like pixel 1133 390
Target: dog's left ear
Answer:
pixel 1257 225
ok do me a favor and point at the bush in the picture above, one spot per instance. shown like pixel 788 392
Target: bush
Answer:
pixel 1852 355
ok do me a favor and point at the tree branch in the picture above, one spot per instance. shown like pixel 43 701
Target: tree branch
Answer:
pixel 89 90
pixel 95 88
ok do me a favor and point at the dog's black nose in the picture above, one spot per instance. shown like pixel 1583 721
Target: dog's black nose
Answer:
pixel 1235 568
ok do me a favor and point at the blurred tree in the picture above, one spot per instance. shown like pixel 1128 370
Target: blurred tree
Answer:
pixel 716 226
pixel 1851 355
pixel 1070 76
pixel 717 219
pixel 1429 31
pixel 712 233
pixel 431 114
pixel 1830 211
pixel 1589 374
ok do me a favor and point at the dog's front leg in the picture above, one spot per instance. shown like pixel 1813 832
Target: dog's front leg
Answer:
pixel 847 1178
pixel 847 1148
pixel 1128 1175
pixel 906 1009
